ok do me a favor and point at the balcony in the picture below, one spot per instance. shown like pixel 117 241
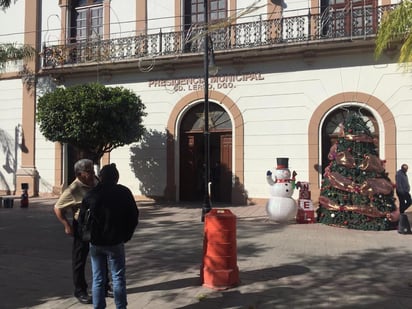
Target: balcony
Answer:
pixel 348 23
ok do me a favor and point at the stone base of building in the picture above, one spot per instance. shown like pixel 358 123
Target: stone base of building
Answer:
pixel 29 176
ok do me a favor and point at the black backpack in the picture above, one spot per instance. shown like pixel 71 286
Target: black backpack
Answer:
pixel 88 215
pixel 85 225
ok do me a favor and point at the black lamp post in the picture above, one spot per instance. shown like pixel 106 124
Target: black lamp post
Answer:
pixel 207 205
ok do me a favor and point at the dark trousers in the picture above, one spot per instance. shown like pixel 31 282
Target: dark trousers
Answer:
pixel 80 250
pixel 404 201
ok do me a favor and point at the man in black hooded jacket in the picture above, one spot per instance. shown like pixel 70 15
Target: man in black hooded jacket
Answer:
pixel 113 219
pixel 403 188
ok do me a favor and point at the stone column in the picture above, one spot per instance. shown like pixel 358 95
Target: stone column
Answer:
pixel 27 172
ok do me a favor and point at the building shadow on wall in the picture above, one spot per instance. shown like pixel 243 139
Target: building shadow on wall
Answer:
pixel 148 163
pixel 8 164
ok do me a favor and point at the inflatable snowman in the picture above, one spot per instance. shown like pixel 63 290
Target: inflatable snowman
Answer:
pixel 281 207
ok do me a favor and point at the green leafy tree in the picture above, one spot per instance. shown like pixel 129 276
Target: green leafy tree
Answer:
pixel 93 118
pixel 396 27
pixel 14 51
pixel 356 192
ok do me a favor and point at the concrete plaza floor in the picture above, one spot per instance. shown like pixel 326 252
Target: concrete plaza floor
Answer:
pixel 280 265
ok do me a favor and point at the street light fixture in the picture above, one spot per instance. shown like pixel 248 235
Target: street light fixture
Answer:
pixel 207 204
pixel 213 69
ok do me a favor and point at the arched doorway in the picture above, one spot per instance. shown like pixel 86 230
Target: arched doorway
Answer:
pixel 334 120
pixel 191 149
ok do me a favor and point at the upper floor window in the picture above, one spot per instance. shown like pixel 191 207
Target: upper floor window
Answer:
pixel 87 19
pixel 194 19
pixel 88 2
pixel 217 10
pixel 343 18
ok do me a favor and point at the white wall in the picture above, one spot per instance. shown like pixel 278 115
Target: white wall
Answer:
pixel 151 153
pixel 249 11
pixel 12 32
pixel 45 162
pixel 51 24
pixel 161 14
pixel 12 23
pixel 122 21
pixel 10 119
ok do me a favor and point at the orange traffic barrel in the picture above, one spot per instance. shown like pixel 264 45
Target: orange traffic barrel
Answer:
pixel 219 267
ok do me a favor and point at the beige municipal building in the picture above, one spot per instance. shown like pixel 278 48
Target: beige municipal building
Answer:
pixel 286 75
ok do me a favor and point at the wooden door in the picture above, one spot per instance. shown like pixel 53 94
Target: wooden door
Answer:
pixel 225 186
pixel 192 155
pixel 191 167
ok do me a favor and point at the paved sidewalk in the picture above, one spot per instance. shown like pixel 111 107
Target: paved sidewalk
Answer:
pixel 280 266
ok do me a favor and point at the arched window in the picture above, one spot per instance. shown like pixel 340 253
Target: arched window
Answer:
pixel 218 119
pixel 331 128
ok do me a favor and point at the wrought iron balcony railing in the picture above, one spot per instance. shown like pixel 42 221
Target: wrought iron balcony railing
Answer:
pixel 348 22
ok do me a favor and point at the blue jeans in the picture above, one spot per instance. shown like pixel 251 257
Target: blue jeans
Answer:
pixel 115 257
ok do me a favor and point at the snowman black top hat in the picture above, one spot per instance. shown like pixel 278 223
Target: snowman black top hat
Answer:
pixel 282 163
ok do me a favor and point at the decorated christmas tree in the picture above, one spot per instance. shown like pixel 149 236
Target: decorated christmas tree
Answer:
pixel 356 191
